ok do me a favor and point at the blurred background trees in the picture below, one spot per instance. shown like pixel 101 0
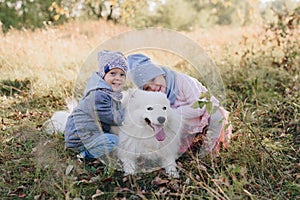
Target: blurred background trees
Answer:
pixel 174 14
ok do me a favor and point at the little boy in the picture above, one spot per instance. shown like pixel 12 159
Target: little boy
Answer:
pixel 88 129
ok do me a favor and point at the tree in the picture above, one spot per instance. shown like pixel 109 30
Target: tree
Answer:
pixel 185 14
pixel 8 17
pixel 30 13
pixel 225 12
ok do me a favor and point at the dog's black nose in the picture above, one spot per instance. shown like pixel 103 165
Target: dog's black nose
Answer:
pixel 161 119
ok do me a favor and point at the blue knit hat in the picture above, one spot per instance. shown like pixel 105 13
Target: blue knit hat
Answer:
pixel 142 70
pixel 108 60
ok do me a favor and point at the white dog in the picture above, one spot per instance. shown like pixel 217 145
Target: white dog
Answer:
pixel 151 130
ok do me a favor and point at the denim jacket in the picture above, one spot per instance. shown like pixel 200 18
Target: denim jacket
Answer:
pixel 98 110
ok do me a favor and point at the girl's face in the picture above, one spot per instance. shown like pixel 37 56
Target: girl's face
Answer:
pixel 116 79
pixel 157 84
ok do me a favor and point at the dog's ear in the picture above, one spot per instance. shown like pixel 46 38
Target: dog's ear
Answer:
pixel 125 98
pixel 134 92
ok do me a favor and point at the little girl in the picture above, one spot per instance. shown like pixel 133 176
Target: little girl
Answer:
pixel 183 91
pixel 88 129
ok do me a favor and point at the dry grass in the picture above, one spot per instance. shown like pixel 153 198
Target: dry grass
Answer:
pixel 54 56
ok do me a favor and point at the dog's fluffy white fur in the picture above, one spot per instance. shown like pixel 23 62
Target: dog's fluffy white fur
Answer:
pixel 57 123
pixel 151 130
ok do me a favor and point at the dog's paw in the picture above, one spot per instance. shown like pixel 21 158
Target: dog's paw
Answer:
pixel 172 171
pixel 129 168
pixel 129 171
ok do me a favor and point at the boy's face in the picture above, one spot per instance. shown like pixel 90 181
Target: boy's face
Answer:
pixel 157 84
pixel 116 79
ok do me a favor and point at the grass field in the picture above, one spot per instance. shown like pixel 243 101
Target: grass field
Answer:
pixel 39 70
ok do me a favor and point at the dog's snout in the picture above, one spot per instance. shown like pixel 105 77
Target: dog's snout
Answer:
pixel 161 119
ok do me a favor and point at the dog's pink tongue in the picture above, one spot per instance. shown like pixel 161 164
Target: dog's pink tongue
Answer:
pixel 159 133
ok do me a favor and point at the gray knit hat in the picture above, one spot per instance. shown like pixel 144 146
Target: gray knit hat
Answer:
pixel 108 60
pixel 142 70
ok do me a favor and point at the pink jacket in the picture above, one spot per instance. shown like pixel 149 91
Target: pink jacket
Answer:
pixel 189 91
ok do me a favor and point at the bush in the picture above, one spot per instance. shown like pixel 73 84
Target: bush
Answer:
pixel 278 44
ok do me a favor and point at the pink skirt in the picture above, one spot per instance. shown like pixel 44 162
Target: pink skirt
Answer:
pixel 195 129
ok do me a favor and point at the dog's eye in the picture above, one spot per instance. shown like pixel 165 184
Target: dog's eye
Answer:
pixel 149 108
pixel 164 108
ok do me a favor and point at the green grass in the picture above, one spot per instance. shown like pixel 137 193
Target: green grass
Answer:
pixel 261 163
